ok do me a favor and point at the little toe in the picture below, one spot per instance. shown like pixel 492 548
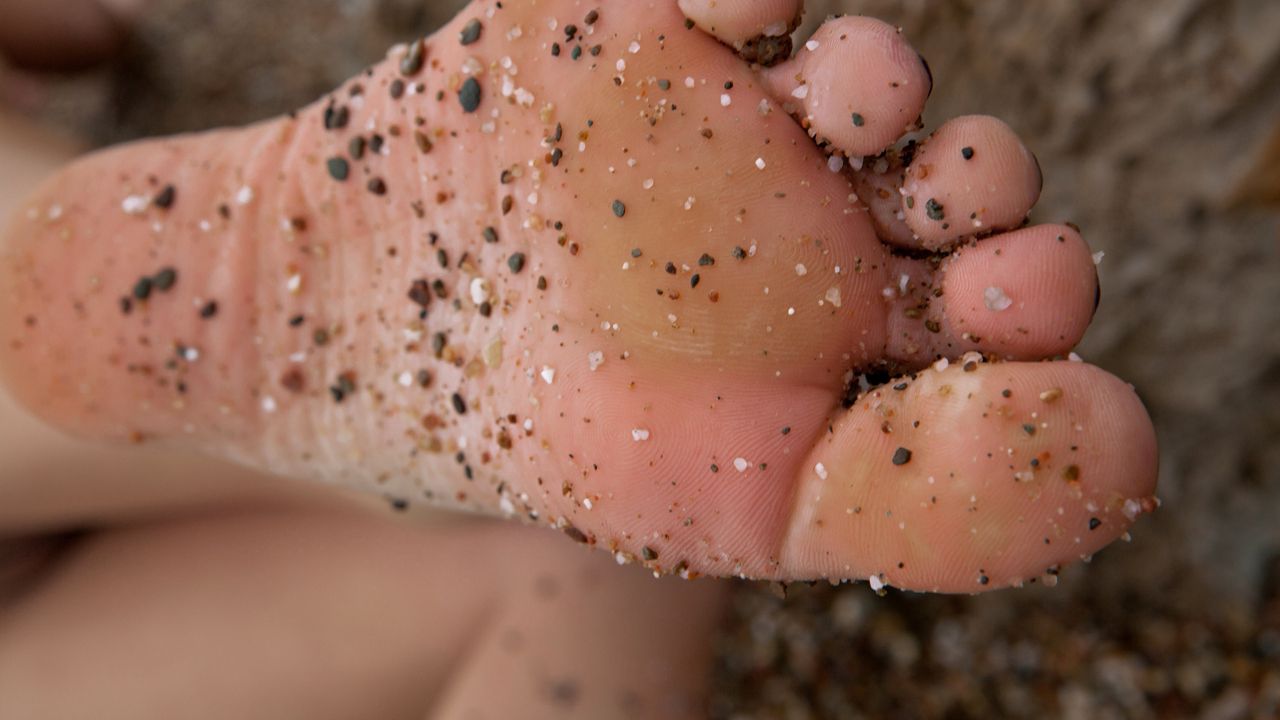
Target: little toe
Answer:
pixel 878 185
pixel 760 30
pixel 857 85
pixel 973 176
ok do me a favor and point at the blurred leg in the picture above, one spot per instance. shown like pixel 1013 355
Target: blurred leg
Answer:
pixel 339 612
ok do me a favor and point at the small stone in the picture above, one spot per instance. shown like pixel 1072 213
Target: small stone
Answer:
pixel 165 198
pixel 1051 395
pixel 471 33
pixel 414 59
pixel 934 210
pixel 142 289
pixel 469 95
pixel 165 279
pixel 995 299
pixel 339 169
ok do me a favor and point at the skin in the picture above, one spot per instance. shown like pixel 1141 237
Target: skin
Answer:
pixel 619 456
pixel 325 610
pixel 194 587
pixel 201 555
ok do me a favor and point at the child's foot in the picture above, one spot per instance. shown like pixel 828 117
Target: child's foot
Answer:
pixel 581 264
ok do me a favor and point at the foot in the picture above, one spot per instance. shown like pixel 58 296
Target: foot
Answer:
pixel 581 264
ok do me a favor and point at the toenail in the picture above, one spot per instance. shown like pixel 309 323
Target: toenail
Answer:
pixel 928 71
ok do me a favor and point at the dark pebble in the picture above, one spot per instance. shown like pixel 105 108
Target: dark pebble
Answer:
pixel 165 279
pixel 165 199
pixel 339 169
pixel 469 95
pixel 471 33
pixel 413 60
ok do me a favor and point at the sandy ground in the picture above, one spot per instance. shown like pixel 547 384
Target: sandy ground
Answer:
pixel 1148 115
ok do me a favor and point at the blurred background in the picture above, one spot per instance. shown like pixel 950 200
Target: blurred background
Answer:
pixel 1158 124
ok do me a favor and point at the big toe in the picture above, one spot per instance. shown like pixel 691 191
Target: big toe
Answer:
pixel 974 477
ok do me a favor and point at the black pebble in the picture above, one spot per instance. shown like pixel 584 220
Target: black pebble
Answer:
pixel 165 279
pixel 413 60
pixel 901 456
pixel 934 210
pixel 469 95
pixel 471 32
pixel 339 169
pixel 165 199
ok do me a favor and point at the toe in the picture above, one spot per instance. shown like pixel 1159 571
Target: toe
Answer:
pixel 857 84
pixel 973 176
pixel 878 185
pixel 974 477
pixel 1023 295
pixel 759 29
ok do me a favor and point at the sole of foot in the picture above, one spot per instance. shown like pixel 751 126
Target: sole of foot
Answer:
pixel 587 266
